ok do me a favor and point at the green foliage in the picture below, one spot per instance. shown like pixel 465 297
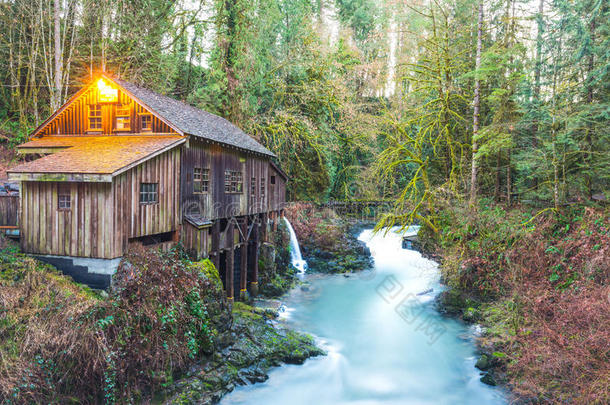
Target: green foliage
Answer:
pixel 163 315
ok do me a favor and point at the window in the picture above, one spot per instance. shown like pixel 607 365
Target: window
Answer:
pixel 201 178
pixel 272 179
pixel 233 182
pixel 253 187
pixel 123 118
pixel 252 190
pixel 95 117
pixel 145 122
pixel 262 189
pixel 64 202
pixel 149 193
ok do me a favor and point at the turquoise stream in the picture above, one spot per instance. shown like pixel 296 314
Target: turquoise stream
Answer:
pixel 386 344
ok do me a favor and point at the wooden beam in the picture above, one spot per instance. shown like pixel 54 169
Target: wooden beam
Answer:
pixel 264 227
pixel 243 263
pixel 254 283
pixel 215 253
pixel 230 272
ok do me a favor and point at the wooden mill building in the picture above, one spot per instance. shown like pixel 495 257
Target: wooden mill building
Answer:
pixel 122 164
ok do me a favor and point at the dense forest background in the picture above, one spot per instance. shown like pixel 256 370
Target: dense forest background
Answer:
pixel 414 100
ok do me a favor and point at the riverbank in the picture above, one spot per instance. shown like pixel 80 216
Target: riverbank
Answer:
pixel 164 331
pixel 539 287
pixel 246 353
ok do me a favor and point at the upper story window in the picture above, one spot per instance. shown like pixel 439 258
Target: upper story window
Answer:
pixel 253 187
pixel 149 193
pixel 123 118
pixel 263 186
pixel 146 122
pixel 64 202
pixel 272 179
pixel 252 190
pixel 201 180
pixel 95 117
pixel 233 182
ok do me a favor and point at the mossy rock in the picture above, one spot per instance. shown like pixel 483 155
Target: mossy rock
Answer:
pixel 488 379
pixel 207 268
pixel 483 363
pixel 244 310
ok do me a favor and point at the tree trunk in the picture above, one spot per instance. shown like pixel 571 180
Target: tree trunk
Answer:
pixel 477 104
pixel 508 178
pixel 58 59
pixel 588 138
pixel 497 182
pixel 537 70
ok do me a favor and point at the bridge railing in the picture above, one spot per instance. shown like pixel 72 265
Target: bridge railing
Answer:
pixel 362 209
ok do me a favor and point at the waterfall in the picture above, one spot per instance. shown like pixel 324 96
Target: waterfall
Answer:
pixel 295 250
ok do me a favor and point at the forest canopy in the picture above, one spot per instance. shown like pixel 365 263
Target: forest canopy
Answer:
pixel 413 101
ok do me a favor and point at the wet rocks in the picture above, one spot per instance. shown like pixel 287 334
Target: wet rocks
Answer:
pixel 252 347
pixel 346 255
pixel 482 363
pixel 488 379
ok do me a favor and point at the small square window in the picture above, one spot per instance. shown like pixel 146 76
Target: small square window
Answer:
pixel 200 180
pixel 95 117
pixel 64 202
pixel 233 182
pixel 149 193
pixel 272 179
pixel 145 122
pixel 252 190
pixel 253 187
pixel 123 118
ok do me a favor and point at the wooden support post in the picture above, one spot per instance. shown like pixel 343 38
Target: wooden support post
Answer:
pixel 215 253
pixel 254 283
pixel 264 228
pixel 243 262
pixel 230 260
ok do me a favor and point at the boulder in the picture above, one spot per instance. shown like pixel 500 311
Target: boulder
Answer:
pixel 488 379
pixel 483 363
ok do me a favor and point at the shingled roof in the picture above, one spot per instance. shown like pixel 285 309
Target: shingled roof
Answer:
pixel 92 158
pixel 193 121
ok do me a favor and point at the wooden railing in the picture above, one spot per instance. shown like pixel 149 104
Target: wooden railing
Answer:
pixel 363 208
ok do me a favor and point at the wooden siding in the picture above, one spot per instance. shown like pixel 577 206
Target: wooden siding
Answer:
pixel 103 216
pixel 85 230
pixel 74 119
pixel 216 203
pixel 135 220
pixel 9 208
pixel 277 191
pixel 257 169
pixel 198 242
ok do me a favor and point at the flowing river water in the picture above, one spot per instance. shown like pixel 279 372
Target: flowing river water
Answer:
pixel 386 342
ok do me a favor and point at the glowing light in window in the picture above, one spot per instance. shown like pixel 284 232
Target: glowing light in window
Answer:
pixel 106 93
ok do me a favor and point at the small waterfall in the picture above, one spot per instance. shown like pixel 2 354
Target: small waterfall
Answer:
pixel 295 250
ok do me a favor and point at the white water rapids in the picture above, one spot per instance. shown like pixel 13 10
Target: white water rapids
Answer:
pixel 387 344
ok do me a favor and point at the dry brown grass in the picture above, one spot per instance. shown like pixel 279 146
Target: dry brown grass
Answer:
pixel 62 343
pixel 545 296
